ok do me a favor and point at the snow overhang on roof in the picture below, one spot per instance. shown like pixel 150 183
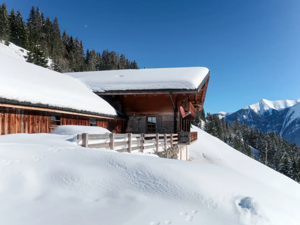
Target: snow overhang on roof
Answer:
pixel 26 84
pixel 165 80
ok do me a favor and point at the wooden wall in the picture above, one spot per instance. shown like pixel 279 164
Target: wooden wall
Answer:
pixel 30 121
pixel 148 104
pixel 20 121
pixel 140 106
pixel 138 124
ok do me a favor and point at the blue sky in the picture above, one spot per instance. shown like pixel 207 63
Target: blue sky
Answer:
pixel 252 48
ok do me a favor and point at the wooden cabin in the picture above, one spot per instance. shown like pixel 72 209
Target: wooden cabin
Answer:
pixel 36 100
pixel 155 100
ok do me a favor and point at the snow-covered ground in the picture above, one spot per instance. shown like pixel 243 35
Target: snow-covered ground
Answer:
pixel 19 52
pixel 48 179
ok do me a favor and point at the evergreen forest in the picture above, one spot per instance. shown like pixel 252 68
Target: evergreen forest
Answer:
pixel 44 40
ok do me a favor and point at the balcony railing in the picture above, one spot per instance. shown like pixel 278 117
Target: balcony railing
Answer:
pixel 194 136
pixel 190 110
pixel 187 137
pixel 128 142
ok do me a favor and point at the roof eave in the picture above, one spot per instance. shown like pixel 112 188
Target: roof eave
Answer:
pixel 47 108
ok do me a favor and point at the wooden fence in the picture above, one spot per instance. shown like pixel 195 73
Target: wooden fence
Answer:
pixel 128 142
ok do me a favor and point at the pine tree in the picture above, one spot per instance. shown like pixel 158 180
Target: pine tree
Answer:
pixel 37 57
pixel 134 65
pixel 47 30
pixel 197 122
pixel 105 60
pixel 98 61
pixel 122 62
pixel 22 31
pixel 4 24
pixel 284 166
pixel 202 114
pixel 92 61
pixel 13 24
pixel 78 55
pixel 57 46
pixel 32 24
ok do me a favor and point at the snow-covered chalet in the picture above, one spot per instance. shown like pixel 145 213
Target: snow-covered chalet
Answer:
pixel 154 100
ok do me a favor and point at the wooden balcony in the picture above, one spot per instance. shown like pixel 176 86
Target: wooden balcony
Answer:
pixel 128 142
pixel 187 137
pixel 190 110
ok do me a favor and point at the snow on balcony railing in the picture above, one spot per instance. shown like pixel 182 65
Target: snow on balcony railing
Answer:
pixel 128 142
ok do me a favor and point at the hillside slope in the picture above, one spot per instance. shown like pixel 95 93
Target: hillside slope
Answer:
pixel 17 52
pixel 48 179
pixel 280 116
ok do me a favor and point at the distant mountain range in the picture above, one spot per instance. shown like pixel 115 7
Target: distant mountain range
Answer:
pixel 282 117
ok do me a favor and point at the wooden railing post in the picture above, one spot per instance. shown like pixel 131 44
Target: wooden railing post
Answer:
pixel 129 142
pixel 171 140
pixel 112 140
pixel 142 142
pixel 85 140
pixel 157 142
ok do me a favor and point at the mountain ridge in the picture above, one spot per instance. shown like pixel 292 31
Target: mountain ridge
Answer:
pixel 281 116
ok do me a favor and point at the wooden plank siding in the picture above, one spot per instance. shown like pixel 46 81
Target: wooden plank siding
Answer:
pixel 15 120
pixel 165 107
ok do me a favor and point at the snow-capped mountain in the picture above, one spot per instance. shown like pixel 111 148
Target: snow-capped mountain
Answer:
pixel 282 117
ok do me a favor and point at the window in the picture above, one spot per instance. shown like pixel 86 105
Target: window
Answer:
pixel 55 121
pixel 93 122
pixel 151 124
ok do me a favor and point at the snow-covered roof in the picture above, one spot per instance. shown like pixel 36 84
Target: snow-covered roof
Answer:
pixel 165 79
pixel 27 84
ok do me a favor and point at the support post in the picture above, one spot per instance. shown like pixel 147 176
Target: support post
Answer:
pixel 181 153
pixel 157 142
pixel 85 140
pixel 171 140
pixel 129 142
pixel 112 141
pixel 142 142
pixel 165 141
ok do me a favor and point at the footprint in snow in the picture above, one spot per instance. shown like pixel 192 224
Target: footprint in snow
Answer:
pixel 211 204
pixel 189 218
pixel 194 211
pixel 155 223
pixel 54 149
pixel 183 213
pixel 38 157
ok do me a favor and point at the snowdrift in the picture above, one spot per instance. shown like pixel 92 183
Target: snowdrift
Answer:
pixel 48 179
pixel 74 130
